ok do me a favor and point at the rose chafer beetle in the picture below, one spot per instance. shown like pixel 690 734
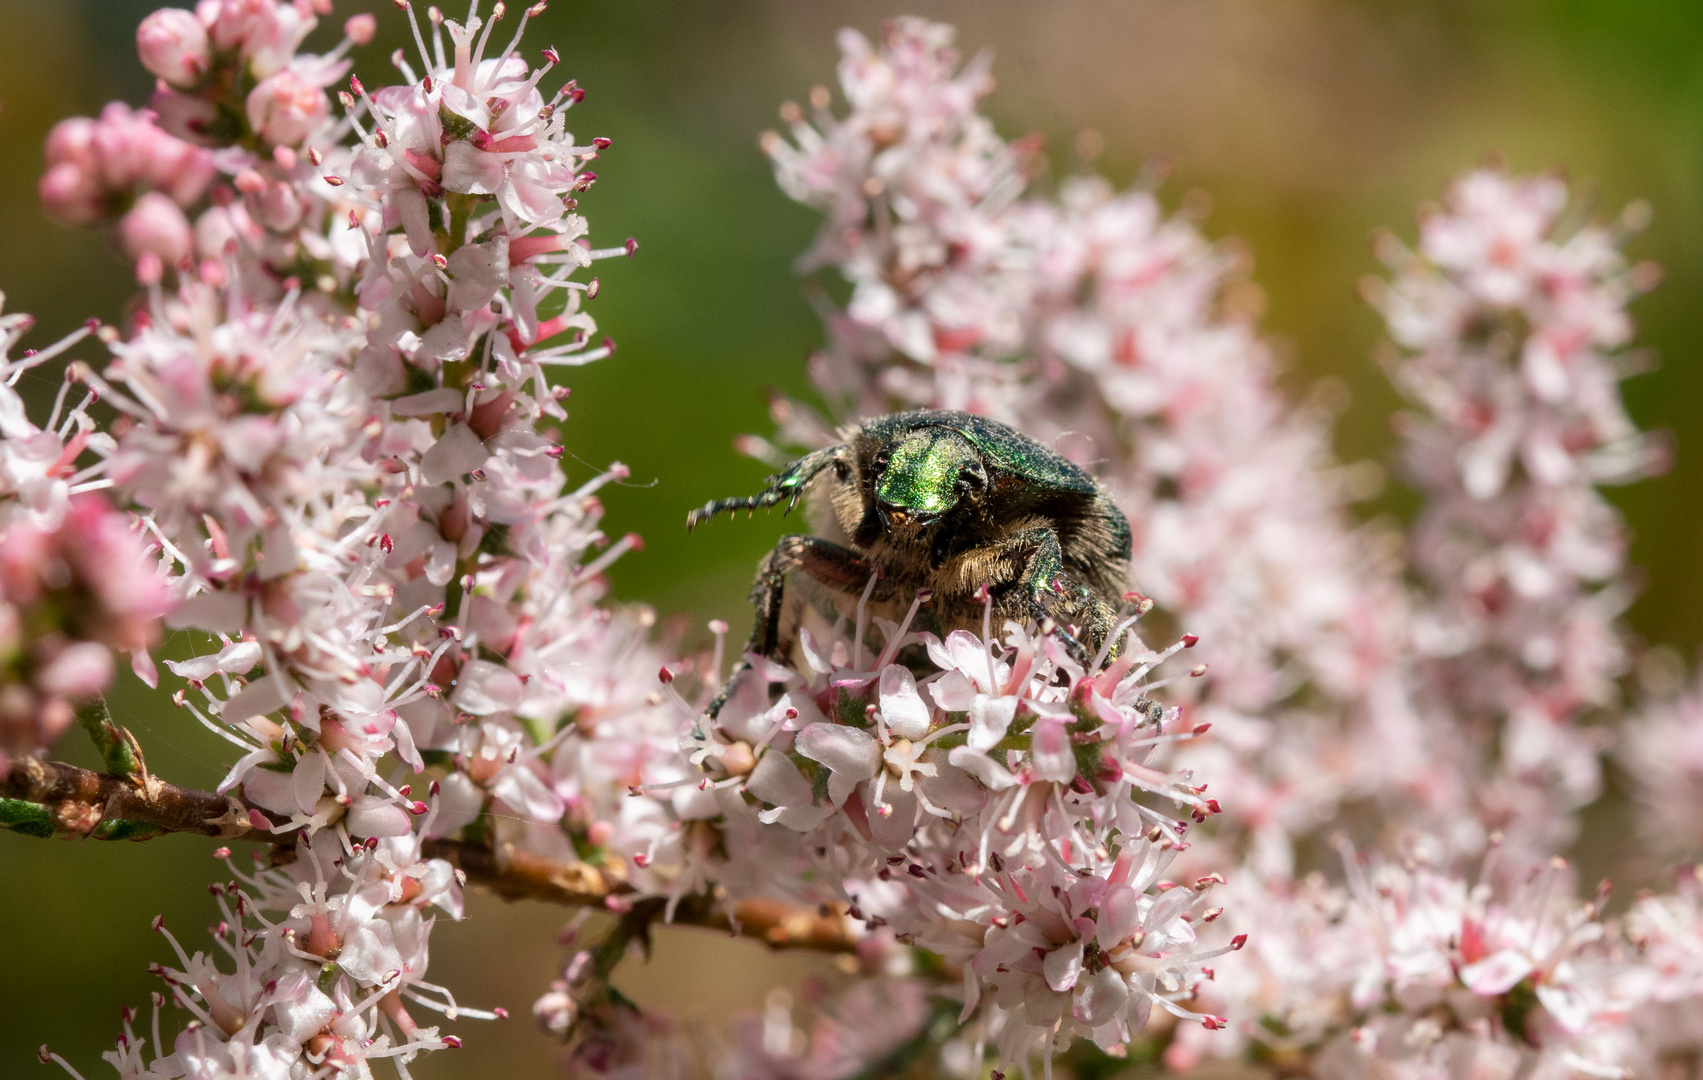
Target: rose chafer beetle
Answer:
pixel 947 502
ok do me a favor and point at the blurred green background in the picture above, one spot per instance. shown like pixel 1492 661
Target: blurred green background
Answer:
pixel 1309 123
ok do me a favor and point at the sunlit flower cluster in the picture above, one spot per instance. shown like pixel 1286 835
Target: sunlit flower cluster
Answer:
pixel 988 811
pixel 1509 324
pixel 1120 336
pixel 324 446
pixel 76 584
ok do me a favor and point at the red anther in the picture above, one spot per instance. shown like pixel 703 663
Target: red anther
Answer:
pixel 666 676
pixel 1080 785
pixel 1211 913
pixel 418 808
pixel 221 853
pixel 632 247
pixel 1201 729
pixel 592 289
pixel 600 143
pixel 924 595
pixel 452 1042
pixel 1133 598
pixel 385 544
pixel 1197 671
pixel 1209 880
pixel 334 181
pixel 916 871
pixel 577 95
pixel 434 789
pixel 1189 640
pixel 355 84
pixel 1238 941
pixel 551 56
pixel 159 923
pixel 641 860
pixel 501 1013
pixel 634 542
pixel 1213 1023
pixel 1212 807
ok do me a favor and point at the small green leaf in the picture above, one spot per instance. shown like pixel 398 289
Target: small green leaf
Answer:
pixel 125 829
pixel 31 819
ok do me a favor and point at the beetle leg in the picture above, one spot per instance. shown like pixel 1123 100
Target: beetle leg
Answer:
pixel 1043 590
pixel 834 566
pixel 824 561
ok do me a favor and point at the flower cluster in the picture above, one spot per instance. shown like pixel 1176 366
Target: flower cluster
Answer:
pixel 1119 335
pixel 1510 323
pixel 325 954
pixel 1662 748
pixel 983 806
pixel 1410 970
pixel 916 188
pixel 358 502
pixel 332 460
pixel 75 580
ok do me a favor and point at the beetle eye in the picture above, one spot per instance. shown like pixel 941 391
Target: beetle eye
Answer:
pixel 842 470
pixel 972 476
pixel 879 463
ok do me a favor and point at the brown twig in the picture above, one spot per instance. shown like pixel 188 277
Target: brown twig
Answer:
pixel 53 798
pixel 518 874
pixel 102 806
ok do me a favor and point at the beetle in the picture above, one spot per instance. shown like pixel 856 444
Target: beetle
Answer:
pixel 947 502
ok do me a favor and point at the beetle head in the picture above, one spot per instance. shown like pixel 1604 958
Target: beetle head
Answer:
pixel 924 476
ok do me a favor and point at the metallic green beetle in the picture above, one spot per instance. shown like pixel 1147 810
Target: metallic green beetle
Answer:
pixel 944 501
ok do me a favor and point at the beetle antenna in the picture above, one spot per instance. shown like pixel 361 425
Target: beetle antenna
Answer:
pixel 787 487
pixel 720 506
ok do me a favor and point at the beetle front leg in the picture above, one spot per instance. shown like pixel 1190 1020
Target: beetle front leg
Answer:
pixel 1042 590
pixel 824 561
pixel 821 560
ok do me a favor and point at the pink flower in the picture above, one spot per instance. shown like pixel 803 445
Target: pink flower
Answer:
pixel 173 45
pixel 155 226
pixel 285 108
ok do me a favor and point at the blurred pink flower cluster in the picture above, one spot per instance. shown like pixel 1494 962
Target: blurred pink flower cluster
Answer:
pixel 1461 706
pixel 327 449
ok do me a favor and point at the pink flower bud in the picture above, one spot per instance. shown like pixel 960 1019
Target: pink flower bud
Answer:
pixel 180 169
pixel 80 671
pixel 230 22
pixel 360 28
pixel 285 108
pixel 70 140
pixel 70 193
pixel 156 225
pixel 183 115
pixel 173 45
